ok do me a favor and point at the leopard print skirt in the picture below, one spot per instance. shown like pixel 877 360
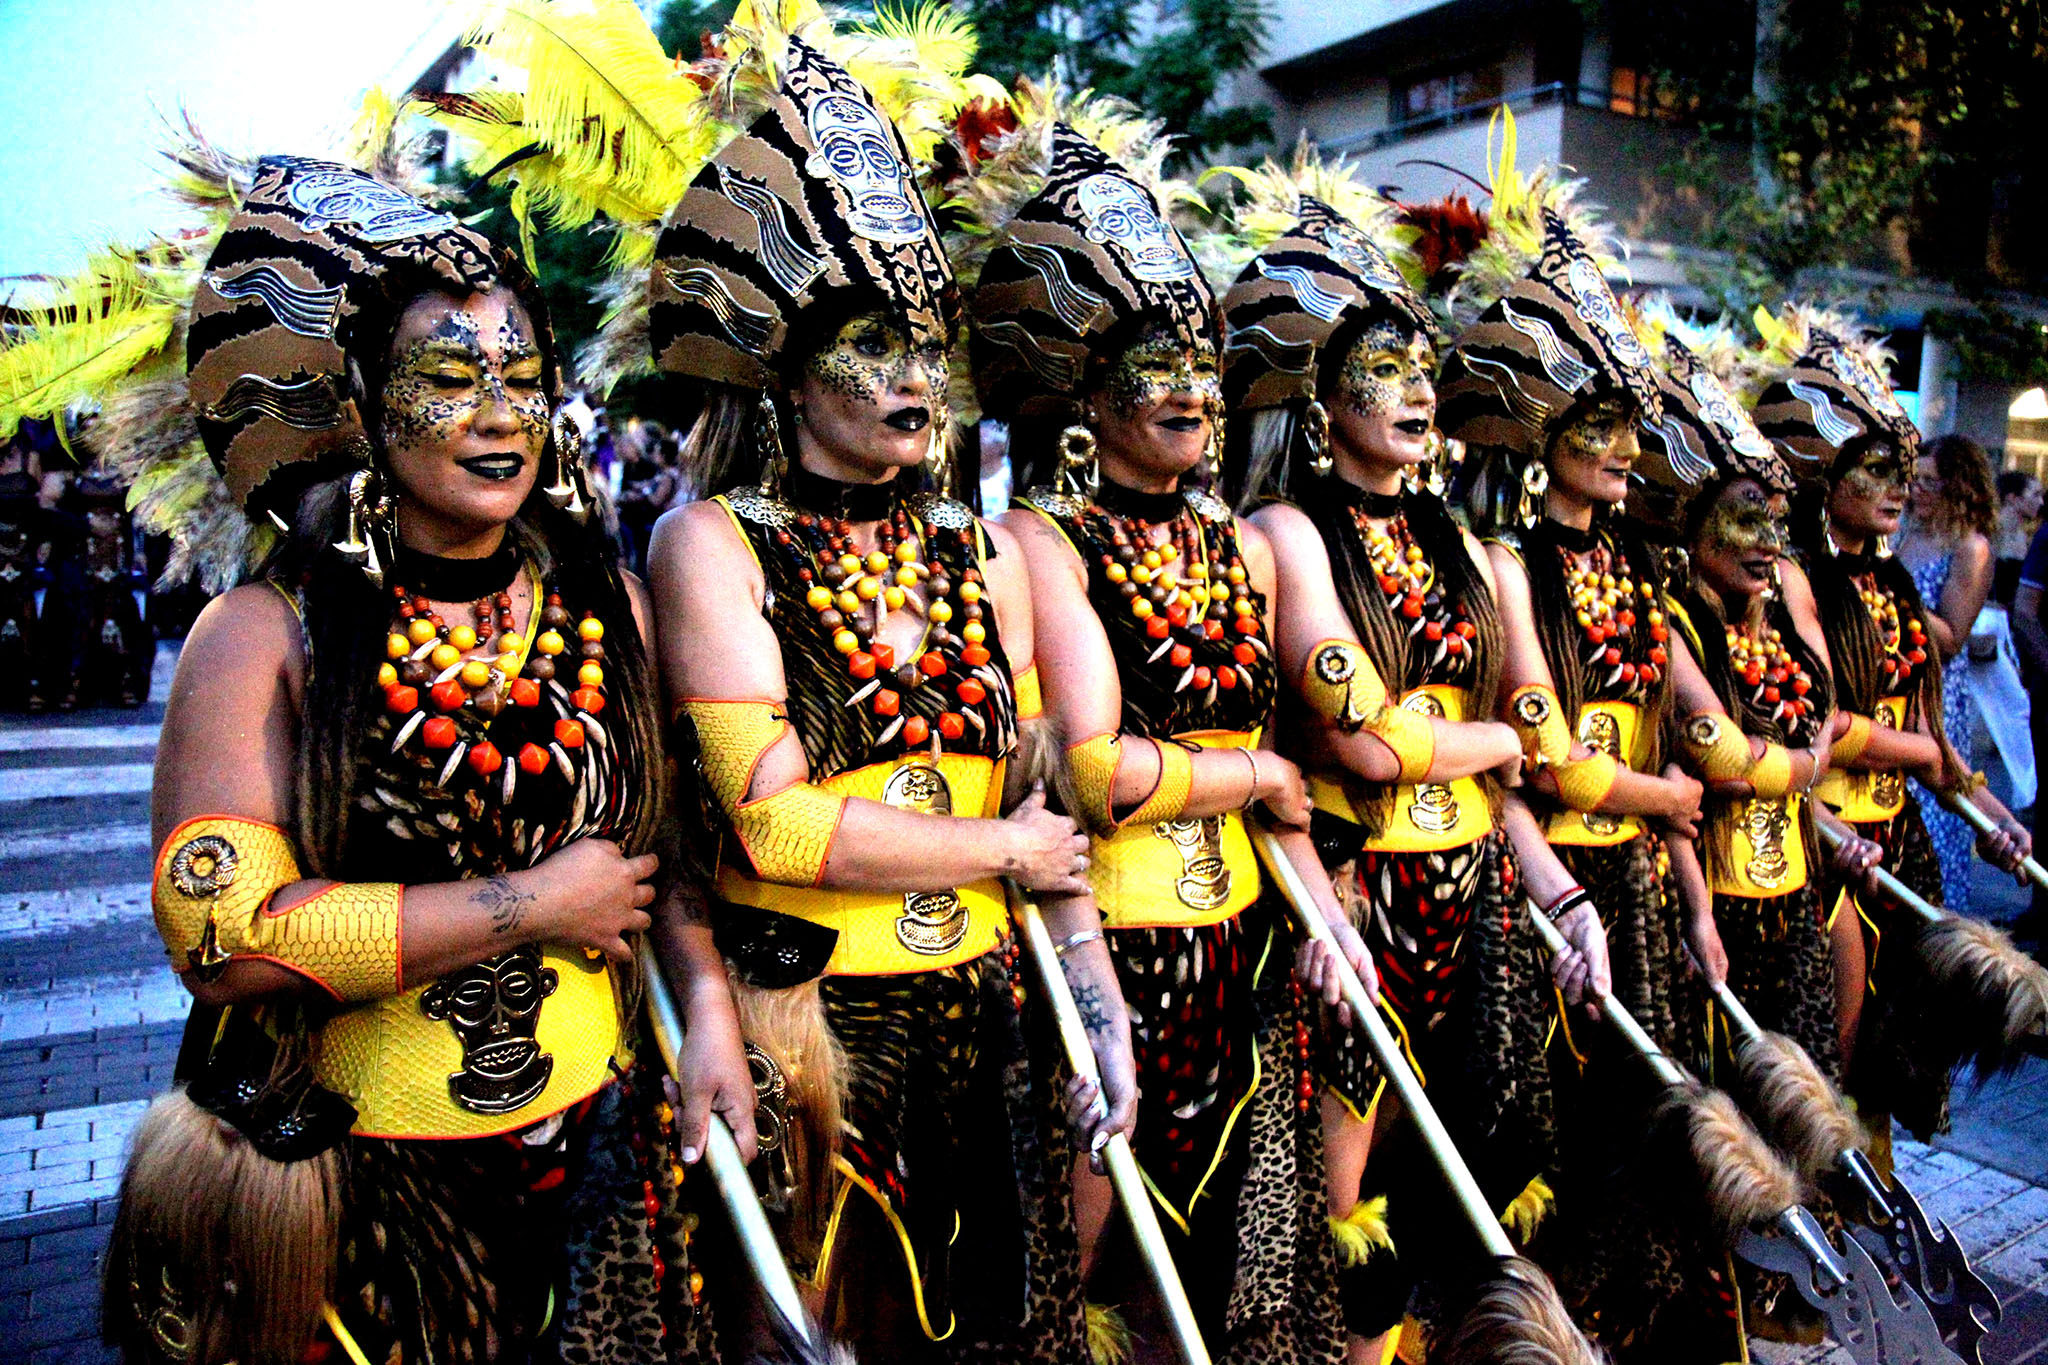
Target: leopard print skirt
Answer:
pixel 1781 968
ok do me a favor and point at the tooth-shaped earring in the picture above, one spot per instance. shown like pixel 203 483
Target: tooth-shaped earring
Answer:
pixel 367 509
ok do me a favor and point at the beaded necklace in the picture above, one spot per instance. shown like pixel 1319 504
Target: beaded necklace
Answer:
pixel 1903 650
pixel 1408 579
pixel 852 595
pixel 1776 681
pixel 1172 587
pixel 1604 597
pixel 462 674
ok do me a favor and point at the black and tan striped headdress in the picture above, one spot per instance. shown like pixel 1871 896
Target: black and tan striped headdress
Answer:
pixel 312 269
pixel 815 203
pixel 1081 265
pixel 1830 391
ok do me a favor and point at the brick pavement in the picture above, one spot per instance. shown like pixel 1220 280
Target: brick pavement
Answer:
pixel 90 1021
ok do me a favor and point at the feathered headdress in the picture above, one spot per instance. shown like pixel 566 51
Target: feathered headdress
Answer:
pixel 263 331
pixel 1821 384
pixel 1541 330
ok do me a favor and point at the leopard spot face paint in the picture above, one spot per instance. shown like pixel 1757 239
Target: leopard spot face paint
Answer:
pixel 871 356
pixel 1879 472
pixel 1157 366
pixel 1389 367
pixel 441 382
pixel 1745 520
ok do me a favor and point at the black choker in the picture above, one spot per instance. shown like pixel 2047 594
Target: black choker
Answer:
pixel 1150 508
pixel 828 497
pixel 440 579
pixel 1375 505
pixel 1571 539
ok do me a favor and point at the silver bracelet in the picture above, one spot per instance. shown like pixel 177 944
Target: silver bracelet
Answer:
pixel 1252 758
pixel 1075 940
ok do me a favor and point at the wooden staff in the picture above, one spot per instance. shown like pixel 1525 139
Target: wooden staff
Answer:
pixel 1897 890
pixel 1116 1153
pixel 1985 825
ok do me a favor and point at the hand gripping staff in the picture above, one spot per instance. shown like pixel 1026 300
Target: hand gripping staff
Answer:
pixel 1116 1154
pixel 1808 1119
pixel 1841 1280
pixel 1964 807
pixel 792 1325
pixel 1518 1306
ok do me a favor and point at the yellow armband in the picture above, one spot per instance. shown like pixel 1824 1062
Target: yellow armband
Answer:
pixel 1538 718
pixel 1170 797
pixel 787 835
pixel 1582 784
pixel 1341 685
pixel 1721 753
pixel 1853 742
pixel 1094 761
pixel 216 877
pixel 1030 704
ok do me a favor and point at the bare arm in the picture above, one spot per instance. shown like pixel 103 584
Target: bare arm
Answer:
pixel 1969 584
pixel 229 747
pixel 716 645
pixel 1583 966
pixel 1306 612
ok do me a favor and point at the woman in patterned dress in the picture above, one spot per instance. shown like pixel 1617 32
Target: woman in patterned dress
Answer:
pixel 849 654
pixel 1151 602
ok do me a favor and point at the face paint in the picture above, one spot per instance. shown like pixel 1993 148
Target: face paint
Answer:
pixel 442 381
pixel 1743 522
pixel 1389 367
pixel 1149 372
pixel 1598 431
pixel 870 357
pixel 1880 471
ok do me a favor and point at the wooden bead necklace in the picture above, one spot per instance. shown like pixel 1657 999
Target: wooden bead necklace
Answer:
pixel 426 653
pixel 1174 590
pixel 1409 580
pixel 1903 651
pixel 1605 598
pixel 1775 680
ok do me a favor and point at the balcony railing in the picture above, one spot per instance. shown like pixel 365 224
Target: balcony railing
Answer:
pixel 1533 97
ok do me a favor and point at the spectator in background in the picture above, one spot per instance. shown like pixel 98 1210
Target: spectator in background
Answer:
pixel 2019 516
pixel 1946 545
pixel 646 488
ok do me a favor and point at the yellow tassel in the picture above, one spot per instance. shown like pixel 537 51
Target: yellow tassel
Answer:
pixel 1363 1231
pixel 1526 1212
pixel 1109 1340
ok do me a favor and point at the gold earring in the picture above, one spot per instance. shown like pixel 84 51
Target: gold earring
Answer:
pixel 1315 432
pixel 1212 458
pixel 1535 483
pixel 1433 480
pixel 938 456
pixel 564 488
pixel 369 515
pixel 1078 473
pixel 768 445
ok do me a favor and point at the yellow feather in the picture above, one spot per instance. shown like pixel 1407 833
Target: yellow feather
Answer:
pixel 1362 1232
pixel 106 323
pixel 1109 1339
pixel 1528 1209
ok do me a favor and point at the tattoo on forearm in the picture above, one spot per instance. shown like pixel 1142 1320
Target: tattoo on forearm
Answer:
pixel 1093 1005
pixel 507 903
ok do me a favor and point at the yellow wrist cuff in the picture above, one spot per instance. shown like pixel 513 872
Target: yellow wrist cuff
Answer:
pixel 785 836
pixel 1584 784
pixel 1771 777
pixel 1410 735
pixel 1853 742
pixel 215 880
pixel 1170 797
pixel 1717 747
pixel 1092 762
pixel 1341 685
pixel 1538 718
pixel 1030 702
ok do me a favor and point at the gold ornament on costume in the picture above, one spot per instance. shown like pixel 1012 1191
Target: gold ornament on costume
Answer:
pixel 933 922
pixel 1204 881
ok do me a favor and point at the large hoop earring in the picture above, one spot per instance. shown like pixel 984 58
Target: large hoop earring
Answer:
pixel 1535 483
pixel 369 519
pixel 1315 434
pixel 1078 472
pixel 768 445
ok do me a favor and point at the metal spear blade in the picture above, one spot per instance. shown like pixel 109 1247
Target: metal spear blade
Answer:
pixel 1927 1257
pixel 1842 1281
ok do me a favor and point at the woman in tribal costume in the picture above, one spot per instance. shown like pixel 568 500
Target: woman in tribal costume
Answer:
pixel 850 655
pixel 1385 628
pixel 1152 627
pixel 1832 414
pixel 404 790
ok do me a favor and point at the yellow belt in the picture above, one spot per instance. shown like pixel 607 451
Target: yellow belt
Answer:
pixel 890 933
pixel 1178 873
pixel 1766 855
pixel 1865 797
pixel 1616 728
pixel 489 1049
pixel 1424 817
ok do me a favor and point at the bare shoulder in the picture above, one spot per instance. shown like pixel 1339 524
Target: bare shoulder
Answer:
pixel 697 544
pixel 642 603
pixel 247 632
pixel 1006 537
pixel 1480 558
pixel 1975 550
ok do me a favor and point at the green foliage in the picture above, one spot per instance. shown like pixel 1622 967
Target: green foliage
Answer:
pixel 1995 344
pixel 681 24
pixel 1173 75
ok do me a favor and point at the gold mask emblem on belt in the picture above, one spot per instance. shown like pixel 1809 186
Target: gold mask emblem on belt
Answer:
pixel 1598 730
pixel 1886 788
pixel 1434 808
pixel 1765 822
pixel 932 922
pixel 494 1008
pixel 1204 881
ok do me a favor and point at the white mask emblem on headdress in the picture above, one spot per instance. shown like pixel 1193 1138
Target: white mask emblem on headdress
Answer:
pixel 1853 370
pixel 1350 246
pixel 378 212
pixel 855 150
pixel 1595 303
pixel 1116 211
pixel 1730 420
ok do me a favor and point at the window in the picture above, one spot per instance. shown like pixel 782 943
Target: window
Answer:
pixel 1439 93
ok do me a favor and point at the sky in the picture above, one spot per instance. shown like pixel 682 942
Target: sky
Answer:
pixel 85 83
